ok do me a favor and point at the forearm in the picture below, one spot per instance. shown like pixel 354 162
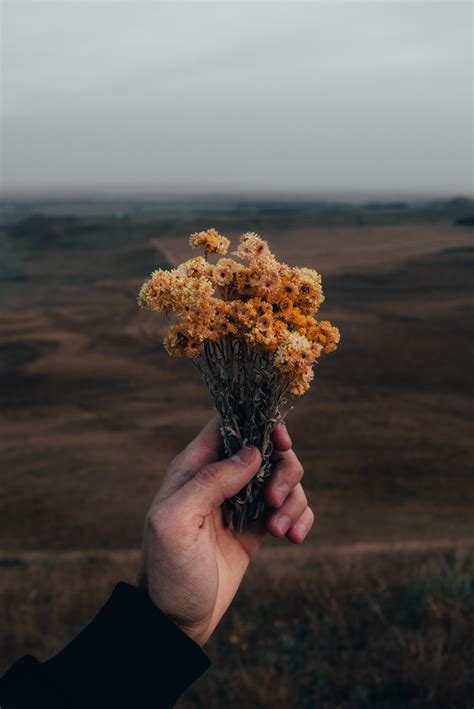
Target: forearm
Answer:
pixel 131 654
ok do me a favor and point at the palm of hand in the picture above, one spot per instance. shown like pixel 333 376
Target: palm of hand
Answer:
pixel 192 563
pixel 216 561
pixel 228 555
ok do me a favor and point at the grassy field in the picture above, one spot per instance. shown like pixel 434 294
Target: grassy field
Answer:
pixel 92 410
pixel 345 630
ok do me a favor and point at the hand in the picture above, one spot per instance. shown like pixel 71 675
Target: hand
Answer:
pixel 192 564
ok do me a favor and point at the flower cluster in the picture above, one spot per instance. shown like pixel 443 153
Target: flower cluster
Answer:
pixel 211 241
pixel 266 304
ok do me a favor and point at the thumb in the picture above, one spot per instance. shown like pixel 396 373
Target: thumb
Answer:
pixel 216 482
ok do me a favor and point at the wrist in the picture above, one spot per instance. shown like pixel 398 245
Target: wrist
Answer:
pixel 199 635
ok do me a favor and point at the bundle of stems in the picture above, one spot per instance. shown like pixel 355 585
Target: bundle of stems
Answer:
pixel 248 395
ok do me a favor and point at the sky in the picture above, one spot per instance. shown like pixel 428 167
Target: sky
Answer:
pixel 286 97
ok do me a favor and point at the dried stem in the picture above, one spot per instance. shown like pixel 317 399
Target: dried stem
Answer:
pixel 247 394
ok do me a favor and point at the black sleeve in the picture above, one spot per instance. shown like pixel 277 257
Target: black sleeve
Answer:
pixel 131 655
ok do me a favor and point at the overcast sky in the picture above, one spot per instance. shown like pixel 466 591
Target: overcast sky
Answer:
pixel 313 97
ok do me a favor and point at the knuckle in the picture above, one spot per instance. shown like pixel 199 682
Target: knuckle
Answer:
pixel 302 497
pixel 299 471
pixel 159 522
pixel 208 475
pixel 291 472
pixel 278 473
pixel 212 482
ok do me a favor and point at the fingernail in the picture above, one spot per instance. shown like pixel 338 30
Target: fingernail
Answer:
pixel 301 530
pixel 283 524
pixel 244 455
pixel 282 491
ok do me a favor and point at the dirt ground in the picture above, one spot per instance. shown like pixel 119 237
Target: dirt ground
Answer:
pixel 92 409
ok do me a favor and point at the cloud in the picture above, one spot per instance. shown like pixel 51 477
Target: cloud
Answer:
pixel 296 96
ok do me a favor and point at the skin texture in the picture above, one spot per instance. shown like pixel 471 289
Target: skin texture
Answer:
pixel 192 564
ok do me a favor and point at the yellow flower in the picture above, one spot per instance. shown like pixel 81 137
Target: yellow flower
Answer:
pixel 310 292
pixel 242 313
pixel 300 385
pixel 211 241
pixel 194 347
pixel 328 336
pixel 176 341
pixel 189 291
pixel 225 271
pixel 296 353
pixel 264 323
pixel 215 330
pixel 289 289
pixel 263 308
pixel 243 286
pixel 262 340
pixel 155 293
pixel 268 286
pixel 196 267
pixel 294 316
pixel 252 246
pixel 281 330
pixel 144 299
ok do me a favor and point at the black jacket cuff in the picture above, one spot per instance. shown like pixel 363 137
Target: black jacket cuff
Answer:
pixel 130 655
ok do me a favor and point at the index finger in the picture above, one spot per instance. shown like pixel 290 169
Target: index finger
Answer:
pixel 281 438
pixel 207 447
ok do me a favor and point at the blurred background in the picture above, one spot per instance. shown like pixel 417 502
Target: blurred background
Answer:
pixel 342 133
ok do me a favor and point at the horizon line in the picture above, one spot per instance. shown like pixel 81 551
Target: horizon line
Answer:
pixel 146 192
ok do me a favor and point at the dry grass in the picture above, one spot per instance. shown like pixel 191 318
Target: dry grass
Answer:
pixel 350 631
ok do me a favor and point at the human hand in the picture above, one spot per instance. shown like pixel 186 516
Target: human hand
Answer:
pixel 192 564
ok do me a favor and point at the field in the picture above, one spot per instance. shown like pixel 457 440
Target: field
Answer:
pixel 375 609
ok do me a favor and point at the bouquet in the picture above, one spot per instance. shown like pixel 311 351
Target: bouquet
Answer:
pixel 249 328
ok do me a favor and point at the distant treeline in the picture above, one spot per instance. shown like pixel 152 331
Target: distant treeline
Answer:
pixel 30 219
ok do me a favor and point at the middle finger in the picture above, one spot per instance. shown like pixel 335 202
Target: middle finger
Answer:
pixel 286 474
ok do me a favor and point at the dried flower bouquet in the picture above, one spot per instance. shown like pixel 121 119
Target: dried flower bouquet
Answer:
pixel 250 330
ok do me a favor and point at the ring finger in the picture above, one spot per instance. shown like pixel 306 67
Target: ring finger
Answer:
pixel 280 520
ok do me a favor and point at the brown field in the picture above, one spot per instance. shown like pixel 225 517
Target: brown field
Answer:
pixel 92 410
